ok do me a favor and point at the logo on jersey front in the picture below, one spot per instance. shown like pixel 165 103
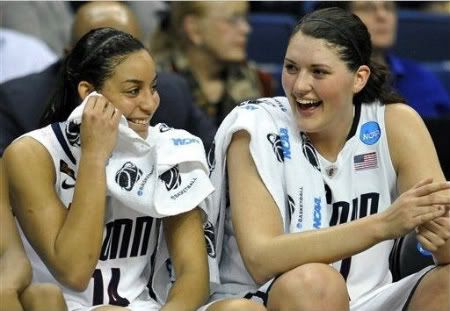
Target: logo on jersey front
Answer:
pixel 370 133
pixel 208 228
pixel 277 146
pixel 251 102
pixel 317 214
pixel 211 158
pixel 185 141
pixel 309 151
pixel 73 133
pixel 128 175
pixel 291 205
pixel 171 178
pixel 365 161
pixel 163 127
pixel 65 169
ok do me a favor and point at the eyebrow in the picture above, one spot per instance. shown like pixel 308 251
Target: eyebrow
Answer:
pixel 312 65
pixel 139 81
pixel 289 60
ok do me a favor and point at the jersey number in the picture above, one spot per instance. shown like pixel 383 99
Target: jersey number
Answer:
pixel 368 205
pixel 114 297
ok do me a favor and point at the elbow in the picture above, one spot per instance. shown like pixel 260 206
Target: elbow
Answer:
pixel 75 280
pixel 257 266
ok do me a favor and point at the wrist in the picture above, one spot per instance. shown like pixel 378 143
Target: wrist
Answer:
pixel 378 228
pixel 94 158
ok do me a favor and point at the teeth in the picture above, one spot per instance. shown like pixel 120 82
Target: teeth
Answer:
pixel 307 102
pixel 139 121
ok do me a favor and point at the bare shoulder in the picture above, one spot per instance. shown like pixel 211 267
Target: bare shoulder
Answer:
pixel 26 148
pixel 409 140
pixel 404 124
pixel 27 155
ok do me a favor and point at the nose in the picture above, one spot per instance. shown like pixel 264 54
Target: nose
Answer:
pixel 302 83
pixel 150 101
pixel 245 26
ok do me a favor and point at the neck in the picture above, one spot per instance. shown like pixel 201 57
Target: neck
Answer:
pixel 204 65
pixel 330 141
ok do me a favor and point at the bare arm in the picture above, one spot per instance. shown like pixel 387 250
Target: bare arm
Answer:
pixel 414 159
pixel 58 233
pixel 15 269
pixel 267 251
pixel 187 248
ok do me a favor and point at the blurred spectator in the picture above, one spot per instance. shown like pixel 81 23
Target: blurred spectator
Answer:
pixel 442 7
pixel 149 15
pixel 206 43
pixel 23 100
pixel 421 88
pixel 22 54
pixel 49 21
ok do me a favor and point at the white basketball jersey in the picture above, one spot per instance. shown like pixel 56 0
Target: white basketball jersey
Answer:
pixel 129 238
pixel 361 182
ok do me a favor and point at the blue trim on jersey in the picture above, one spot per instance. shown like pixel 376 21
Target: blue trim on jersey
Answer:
pixel 59 135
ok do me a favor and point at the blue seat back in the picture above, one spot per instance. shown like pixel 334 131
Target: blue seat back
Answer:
pixel 269 37
pixel 423 36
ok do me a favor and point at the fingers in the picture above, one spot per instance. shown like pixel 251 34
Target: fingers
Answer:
pixel 434 230
pixel 100 104
pixel 428 245
pixel 423 182
pixel 428 213
pixel 429 188
pixel 434 199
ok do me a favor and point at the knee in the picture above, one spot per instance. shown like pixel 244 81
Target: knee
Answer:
pixel 318 281
pixel 236 305
pixel 43 296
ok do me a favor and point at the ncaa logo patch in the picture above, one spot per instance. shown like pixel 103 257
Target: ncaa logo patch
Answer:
pixel 128 175
pixel 422 250
pixel 370 133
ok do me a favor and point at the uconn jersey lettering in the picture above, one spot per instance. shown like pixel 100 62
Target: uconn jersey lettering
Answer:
pixel 127 256
pixel 118 241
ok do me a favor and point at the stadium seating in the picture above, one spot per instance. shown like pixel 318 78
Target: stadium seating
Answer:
pixel 408 257
pixel 423 36
pixel 267 43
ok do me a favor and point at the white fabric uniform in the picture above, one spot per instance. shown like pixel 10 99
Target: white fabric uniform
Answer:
pixel 310 192
pixel 134 253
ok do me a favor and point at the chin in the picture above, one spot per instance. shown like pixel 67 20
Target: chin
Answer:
pixel 236 57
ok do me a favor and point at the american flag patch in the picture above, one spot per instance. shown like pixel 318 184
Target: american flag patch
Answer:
pixel 365 161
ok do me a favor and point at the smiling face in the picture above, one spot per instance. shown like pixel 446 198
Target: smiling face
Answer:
pixel 319 85
pixel 132 90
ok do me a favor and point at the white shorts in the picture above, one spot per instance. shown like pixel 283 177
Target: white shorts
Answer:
pixel 393 296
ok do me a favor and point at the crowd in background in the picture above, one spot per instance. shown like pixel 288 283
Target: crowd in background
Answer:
pixel 200 71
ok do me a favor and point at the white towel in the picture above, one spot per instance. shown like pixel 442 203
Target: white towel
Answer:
pixel 276 147
pixel 158 176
